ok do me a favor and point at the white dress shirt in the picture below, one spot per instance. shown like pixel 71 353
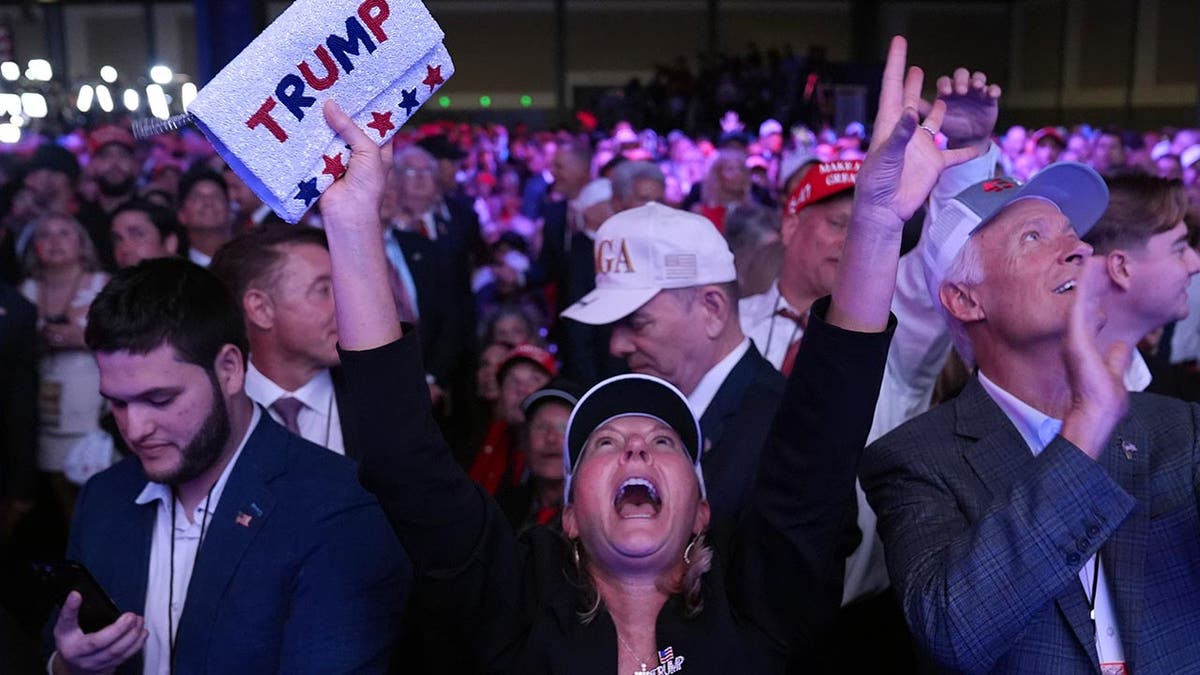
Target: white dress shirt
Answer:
pixel 771 333
pixel 1185 342
pixel 318 420
pixel 708 385
pixel 1038 429
pixel 187 537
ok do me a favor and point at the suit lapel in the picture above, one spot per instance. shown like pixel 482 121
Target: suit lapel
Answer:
pixel 996 457
pixel 341 400
pixel 1127 460
pixel 128 589
pixel 999 448
pixel 245 505
pixel 728 399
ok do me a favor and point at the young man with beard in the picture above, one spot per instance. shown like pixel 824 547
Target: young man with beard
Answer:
pixel 114 169
pixel 230 545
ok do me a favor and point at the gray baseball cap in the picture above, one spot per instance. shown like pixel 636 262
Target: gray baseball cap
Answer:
pixel 1075 189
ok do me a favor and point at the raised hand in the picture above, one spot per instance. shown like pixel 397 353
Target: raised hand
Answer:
pixel 902 166
pixel 903 162
pixel 366 311
pixel 1098 395
pixel 79 653
pixel 358 194
pixel 972 106
pixel 731 123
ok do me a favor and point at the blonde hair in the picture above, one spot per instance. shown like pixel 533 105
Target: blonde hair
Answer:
pixel 88 259
pixel 710 189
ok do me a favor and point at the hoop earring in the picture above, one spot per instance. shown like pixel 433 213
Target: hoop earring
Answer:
pixel 575 555
pixel 687 552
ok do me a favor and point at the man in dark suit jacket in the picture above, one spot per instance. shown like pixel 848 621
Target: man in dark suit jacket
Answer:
pixel 665 280
pixel 284 564
pixel 444 338
pixel 1033 525
pixel 427 207
pixel 280 276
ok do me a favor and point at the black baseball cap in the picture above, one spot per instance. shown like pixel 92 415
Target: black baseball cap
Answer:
pixel 632 394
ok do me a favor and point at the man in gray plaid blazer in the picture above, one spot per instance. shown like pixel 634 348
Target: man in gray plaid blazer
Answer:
pixel 1045 521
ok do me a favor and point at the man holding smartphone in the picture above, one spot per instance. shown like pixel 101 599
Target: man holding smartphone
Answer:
pixel 230 545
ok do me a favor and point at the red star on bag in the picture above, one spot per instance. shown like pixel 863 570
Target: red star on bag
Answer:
pixel 998 185
pixel 334 166
pixel 433 76
pixel 381 122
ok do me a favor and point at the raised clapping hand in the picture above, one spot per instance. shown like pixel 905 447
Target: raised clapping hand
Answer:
pixel 1098 395
pixel 972 106
pixel 903 162
pixel 80 653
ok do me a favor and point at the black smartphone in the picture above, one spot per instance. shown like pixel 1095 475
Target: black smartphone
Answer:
pixel 58 579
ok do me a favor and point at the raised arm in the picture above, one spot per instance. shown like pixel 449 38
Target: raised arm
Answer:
pixel 900 170
pixel 462 550
pixel 922 341
pixel 366 313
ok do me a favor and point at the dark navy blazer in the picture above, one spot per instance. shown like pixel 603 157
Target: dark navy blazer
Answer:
pixel 314 582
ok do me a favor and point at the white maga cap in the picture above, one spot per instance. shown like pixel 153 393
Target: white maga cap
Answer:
pixel 648 249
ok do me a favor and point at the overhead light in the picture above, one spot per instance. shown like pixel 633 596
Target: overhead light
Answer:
pixel 10 71
pixel 187 94
pixel 10 133
pixel 85 98
pixel 156 98
pixel 108 74
pixel 17 120
pixel 161 75
pixel 131 100
pixel 39 69
pixel 34 105
pixel 10 104
pixel 104 98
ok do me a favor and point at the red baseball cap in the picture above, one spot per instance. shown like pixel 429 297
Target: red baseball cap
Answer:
pixel 108 134
pixel 530 353
pixel 823 181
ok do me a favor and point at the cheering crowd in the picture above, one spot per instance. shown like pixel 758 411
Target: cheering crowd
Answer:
pixel 912 397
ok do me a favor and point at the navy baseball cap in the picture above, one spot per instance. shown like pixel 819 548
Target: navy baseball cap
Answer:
pixel 626 395
pixel 1075 189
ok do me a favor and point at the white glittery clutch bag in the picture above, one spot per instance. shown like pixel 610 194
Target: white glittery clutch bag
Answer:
pixel 379 59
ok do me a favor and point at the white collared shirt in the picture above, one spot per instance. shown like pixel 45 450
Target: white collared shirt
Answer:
pixel 707 388
pixel 319 421
pixel 771 333
pixel 1038 429
pixel 395 255
pixel 199 257
pixel 157 652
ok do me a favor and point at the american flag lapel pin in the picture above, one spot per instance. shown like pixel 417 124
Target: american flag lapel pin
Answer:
pixel 1129 448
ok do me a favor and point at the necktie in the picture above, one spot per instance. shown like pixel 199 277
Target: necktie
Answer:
pixel 289 409
pixel 801 321
pixel 401 293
